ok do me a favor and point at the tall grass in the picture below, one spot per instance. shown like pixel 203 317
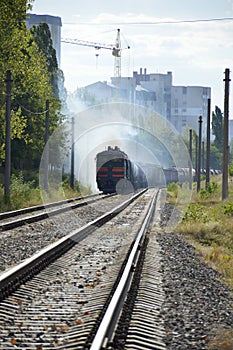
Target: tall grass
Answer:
pixel 25 193
pixel 22 194
pixel 208 224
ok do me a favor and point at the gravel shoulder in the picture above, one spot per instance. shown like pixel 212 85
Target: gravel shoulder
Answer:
pixel 198 308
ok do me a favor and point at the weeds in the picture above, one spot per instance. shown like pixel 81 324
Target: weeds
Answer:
pixel 210 189
pixel 228 209
pixel 173 187
pixel 25 193
pixel 207 223
pixel 22 194
pixel 195 213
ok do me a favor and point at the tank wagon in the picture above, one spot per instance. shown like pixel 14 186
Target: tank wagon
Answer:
pixel 180 175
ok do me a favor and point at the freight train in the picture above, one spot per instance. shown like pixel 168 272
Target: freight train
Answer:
pixel 180 175
pixel 115 172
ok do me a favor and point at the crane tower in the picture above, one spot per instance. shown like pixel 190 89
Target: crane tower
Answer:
pixel 116 50
pixel 117 54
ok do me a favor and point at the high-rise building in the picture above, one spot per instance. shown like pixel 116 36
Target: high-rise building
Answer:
pixel 54 24
pixel 187 104
pixel 154 91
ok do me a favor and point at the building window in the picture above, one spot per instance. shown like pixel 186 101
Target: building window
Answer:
pixel 184 90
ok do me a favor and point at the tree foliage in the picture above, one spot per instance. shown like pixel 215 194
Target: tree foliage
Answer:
pixel 42 37
pixel 32 84
pixel 215 157
pixel 217 128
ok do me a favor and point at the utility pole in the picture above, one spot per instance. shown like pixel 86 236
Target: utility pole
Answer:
pixel 208 144
pixel 199 156
pixel 196 157
pixel 190 159
pixel 46 160
pixel 8 138
pixel 225 136
pixel 203 155
pixel 72 155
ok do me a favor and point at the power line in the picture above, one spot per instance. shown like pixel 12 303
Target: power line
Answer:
pixel 153 22
pixel 31 112
pixel 221 19
pixel 26 109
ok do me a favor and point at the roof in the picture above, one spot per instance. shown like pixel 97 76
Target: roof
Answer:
pixel 36 19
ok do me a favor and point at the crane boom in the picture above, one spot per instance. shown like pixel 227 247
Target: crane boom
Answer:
pixel 116 50
pixel 97 46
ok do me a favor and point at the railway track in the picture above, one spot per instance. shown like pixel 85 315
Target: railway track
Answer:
pixel 26 235
pixel 41 212
pixel 76 301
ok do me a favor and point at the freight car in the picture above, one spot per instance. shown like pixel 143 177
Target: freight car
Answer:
pixel 116 172
pixel 180 175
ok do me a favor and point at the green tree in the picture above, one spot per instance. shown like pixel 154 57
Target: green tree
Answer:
pixel 12 22
pixel 217 128
pixel 31 87
pixel 42 37
pixel 230 169
pixel 215 157
pixel 231 151
pixel 186 135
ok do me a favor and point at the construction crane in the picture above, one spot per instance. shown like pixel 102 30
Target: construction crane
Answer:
pixel 116 50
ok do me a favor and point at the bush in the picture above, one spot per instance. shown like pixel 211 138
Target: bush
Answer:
pixel 228 209
pixel 197 213
pixel 210 189
pixel 21 194
pixel 173 187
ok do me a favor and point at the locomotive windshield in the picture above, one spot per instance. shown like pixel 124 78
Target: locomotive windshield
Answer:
pixel 105 159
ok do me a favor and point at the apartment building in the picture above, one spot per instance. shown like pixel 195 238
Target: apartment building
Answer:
pixel 54 24
pixel 187 104
pixel 154 91
pixel 231 133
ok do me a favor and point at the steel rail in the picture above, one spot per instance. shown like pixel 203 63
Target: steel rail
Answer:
pixel 41 216
pixel 9 214
pixel 19 274
pixel 120 292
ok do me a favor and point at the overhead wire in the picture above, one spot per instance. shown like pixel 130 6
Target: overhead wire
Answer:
pixel 31 112
pixel 113 23
pixel 152 22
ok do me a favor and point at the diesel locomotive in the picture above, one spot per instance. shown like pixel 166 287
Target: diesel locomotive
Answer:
pixel 115 172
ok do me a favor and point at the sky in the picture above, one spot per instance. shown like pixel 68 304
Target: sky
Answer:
pixel 190 38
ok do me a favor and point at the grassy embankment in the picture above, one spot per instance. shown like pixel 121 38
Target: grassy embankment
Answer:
pixel 26 194
pixel 208 224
